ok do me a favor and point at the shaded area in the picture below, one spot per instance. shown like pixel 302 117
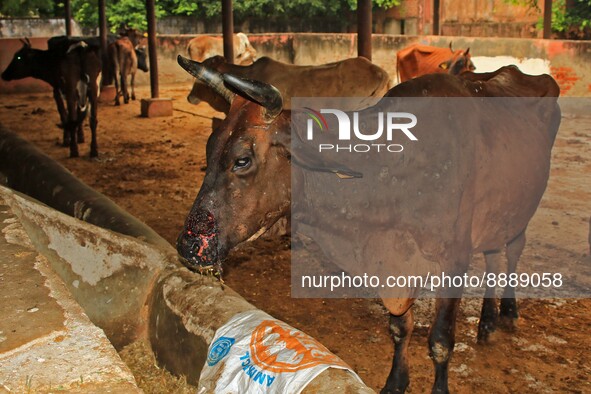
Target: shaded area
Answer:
pixel 152 168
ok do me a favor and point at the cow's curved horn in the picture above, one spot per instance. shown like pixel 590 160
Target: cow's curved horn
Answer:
pixel 264 94
pixel 209 77
pixel 450 47
pixel 467 52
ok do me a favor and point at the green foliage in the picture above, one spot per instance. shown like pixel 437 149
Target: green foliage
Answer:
pixel 26 8
pixel 133 12
pixel 570 22
pixel 567 22
pixel 85 12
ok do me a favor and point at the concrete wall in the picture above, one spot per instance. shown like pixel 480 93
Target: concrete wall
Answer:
pixel 569 62
pixel 35 27
pixel 473 18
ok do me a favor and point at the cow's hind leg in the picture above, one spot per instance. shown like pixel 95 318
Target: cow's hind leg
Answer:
pixel 400 328
pixel 61 109
pixel 133 86
pixel 93 98
pixel 489 313
pixel 124 88
pixel 80 132
pixel 442 338
pixel 508 311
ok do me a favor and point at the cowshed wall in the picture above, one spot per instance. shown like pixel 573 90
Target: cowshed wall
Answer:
pixel 569 62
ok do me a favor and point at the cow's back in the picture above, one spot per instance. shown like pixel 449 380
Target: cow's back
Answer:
pixel 486 174
pixel 204 47
pixel 355 77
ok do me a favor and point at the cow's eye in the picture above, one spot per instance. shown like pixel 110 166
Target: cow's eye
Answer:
pixel 241 163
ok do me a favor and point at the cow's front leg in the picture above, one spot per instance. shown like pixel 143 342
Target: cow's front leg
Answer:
pixel 442 338
pixel 401 329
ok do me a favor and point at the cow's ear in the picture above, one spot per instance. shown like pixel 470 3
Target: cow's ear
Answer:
pixel 305 156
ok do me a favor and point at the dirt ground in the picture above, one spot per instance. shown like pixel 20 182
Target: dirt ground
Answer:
pixel 154 168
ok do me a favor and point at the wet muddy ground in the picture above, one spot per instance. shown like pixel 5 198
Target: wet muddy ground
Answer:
pixel 154 167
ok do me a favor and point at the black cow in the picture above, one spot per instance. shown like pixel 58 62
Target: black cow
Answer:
pixel 73 72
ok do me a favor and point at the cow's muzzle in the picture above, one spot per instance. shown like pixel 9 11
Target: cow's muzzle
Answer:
pixel 198 242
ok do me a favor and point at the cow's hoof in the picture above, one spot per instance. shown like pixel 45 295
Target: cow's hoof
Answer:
pixel 508 323
pixel 393 390
pixel 117 103
pixel 74 154
pixel 485 337
pixel 133 97
pixel 93 154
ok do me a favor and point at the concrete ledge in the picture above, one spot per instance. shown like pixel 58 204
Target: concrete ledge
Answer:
pixel 46 341
pixel 156 107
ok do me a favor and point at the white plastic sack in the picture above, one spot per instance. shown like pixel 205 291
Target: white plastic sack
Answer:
pixel 255 353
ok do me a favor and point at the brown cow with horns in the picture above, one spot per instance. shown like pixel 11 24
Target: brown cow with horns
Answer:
pixel 482 202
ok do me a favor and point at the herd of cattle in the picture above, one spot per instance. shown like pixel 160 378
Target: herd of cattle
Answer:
pixel 74 69
pixel 484 204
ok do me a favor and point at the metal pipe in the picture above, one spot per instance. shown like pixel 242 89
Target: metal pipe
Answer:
pixel 228 30
pixel 68 16
pixel 364 28
pixel 547 18
pixel 436 9
pixel 151 16
pixel 108 78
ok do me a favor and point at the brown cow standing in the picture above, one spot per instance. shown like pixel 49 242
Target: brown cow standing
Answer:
pixel 355 77
pixel 204 47
pixel 485 181
pixel 123 60
pixel 417 60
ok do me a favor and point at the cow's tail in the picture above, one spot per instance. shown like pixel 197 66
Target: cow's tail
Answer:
pixel 82 89
pixel 82 85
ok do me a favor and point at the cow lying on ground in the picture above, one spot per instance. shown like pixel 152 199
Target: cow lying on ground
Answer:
pixel 204 47
pixel 72 71
pixel 356 77
pixel 490 179
pixel 417 60
pixel 124 60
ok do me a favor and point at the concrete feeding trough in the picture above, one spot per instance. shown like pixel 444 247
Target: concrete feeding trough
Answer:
pixel 125 277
